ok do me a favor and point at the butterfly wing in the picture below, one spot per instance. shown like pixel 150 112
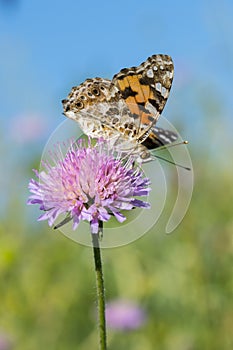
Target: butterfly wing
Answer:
pixel 94 107
pixel 127 107
pixel 159 137
pixel 145 90
pixel 97 105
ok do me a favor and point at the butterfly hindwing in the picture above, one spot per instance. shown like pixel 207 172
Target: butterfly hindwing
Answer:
pixel 159 137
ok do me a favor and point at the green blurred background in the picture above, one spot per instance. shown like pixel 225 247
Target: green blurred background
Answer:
pixel 183 281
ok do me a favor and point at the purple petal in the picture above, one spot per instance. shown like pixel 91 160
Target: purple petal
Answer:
pixel 141 204
pixel 120 217
pixel 94 226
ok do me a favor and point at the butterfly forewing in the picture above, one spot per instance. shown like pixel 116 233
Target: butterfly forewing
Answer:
pixel 146 89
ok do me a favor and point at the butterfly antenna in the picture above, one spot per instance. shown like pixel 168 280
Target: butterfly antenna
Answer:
pixel 171 145
pixel 169 161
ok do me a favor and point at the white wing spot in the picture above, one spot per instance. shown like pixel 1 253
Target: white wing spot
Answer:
pixel 161 67
pixel 155 68
pixel 164 92
pixel 150 73
pixel 158 87
pixel 162 136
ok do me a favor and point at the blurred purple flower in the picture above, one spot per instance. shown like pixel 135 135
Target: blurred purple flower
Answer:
pixel 5 343
pixel 89 183
pixel 124 315
pixel 27 127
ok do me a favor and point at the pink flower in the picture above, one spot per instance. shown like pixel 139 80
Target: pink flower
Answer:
pixel 89 183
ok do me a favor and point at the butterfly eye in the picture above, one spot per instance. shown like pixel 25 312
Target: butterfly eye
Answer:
pixel 145 154
pixel 96 91
pixel 79 104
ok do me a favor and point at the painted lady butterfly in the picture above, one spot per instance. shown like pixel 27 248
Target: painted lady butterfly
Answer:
pixel 127 107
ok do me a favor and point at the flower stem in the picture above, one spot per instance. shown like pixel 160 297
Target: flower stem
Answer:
pixel 100 288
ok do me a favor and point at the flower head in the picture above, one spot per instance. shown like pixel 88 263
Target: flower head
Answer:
pixel 88 183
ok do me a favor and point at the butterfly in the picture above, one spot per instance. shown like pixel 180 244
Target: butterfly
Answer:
pixel 126 108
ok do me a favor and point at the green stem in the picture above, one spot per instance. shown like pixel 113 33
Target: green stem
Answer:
pixel 100 288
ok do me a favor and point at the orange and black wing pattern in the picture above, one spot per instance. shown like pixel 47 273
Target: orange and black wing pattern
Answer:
pixel 145 90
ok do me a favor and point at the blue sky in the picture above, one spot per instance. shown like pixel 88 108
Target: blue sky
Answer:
pixel 48 46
